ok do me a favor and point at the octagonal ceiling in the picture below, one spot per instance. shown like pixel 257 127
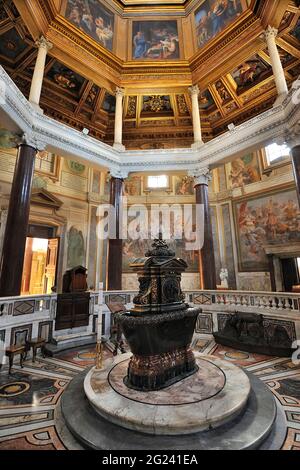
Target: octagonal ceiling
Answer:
pixel 232 67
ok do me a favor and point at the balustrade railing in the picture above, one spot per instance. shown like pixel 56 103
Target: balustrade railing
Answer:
pixel 27 305
pixel 235 300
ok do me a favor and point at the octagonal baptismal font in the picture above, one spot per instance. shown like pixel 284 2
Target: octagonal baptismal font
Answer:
pixel 162 395
pixel 160 327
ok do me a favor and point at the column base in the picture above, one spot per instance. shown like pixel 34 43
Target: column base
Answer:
pixel 37 107
pixel 197 145
pixel 280 99
pixel 119 147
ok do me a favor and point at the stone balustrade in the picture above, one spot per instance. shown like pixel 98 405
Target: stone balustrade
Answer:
pixel 269 301
pixel 32 316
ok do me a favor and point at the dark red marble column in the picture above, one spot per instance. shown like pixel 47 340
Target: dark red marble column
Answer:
pixel 12 257
pixel 114 252
pixel 207 256
pixel 296 167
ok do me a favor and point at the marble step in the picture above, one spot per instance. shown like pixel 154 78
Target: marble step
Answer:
pixel 62 343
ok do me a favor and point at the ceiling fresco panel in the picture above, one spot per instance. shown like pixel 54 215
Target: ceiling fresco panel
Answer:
pixel 156 40
pixel 251 72
pixel 213 16
pixel 93 18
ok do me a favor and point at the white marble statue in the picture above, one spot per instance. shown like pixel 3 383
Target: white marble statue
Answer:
pixel 224 277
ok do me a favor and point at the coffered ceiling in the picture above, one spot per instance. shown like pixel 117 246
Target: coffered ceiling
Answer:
pixel 232 70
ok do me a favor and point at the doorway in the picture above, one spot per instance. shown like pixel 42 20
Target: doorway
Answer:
pixel 40 263
pixel 290 273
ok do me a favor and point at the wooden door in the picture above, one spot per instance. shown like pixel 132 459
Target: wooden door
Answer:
pixel 51 263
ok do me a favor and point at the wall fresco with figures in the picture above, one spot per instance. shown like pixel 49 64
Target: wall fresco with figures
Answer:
pixel 272 219
pixel 242 171
pixel 137 248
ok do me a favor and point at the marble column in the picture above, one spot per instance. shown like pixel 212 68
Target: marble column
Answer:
pixel 119 119
pixel 194 92
pixel 296 167
pixel 12 257
pixel 38 75
pixel 207 256
pixel 281 85
pixel 115 245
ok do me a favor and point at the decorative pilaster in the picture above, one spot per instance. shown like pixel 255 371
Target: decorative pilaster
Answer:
pixel 38 75
pixel 194 92
pixel 207 256
pixel 296 168
pixel 119 119
pixel 12 257
pixel 281 85
pixel 115 245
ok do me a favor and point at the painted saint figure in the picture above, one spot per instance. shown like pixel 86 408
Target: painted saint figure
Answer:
pixel 140 45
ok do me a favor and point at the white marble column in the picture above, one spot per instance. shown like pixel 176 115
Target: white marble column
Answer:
pixel 281 85
pixel 119 119
pixel 194 92
pixel 38 75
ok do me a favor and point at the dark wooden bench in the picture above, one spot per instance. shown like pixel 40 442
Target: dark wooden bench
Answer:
pixel 35 344
pixel 13 351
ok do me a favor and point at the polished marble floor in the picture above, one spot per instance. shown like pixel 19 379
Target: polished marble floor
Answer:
pixel 28 396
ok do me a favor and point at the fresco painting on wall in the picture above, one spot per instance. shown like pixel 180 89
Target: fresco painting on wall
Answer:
pixel 251 72
pixel 213 16
pixel 155 40
pixel 133 249
pixel 133 186
pixel 266 220
pixel 244 170
pixel 184 185
pixel 93 18
pixel 75 248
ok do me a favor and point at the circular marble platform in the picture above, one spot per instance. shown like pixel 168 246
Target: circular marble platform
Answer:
pixel 216 393
pixel 262 425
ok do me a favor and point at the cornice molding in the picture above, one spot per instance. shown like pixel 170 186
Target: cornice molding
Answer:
pixel 281 122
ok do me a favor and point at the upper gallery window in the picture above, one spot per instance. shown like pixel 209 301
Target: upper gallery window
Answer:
pixel 158 182
pixel 276 153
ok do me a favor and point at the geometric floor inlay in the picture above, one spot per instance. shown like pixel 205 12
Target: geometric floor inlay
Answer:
pixel 28 396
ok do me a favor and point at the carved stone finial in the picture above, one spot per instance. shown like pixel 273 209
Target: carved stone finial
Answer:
pixel 194 90
pixel 43 42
